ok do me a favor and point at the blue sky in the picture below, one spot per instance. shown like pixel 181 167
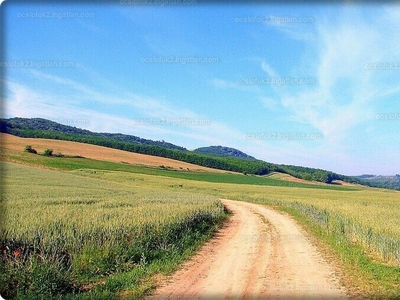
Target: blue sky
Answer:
pixel 310 85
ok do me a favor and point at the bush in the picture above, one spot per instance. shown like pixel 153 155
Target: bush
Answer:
pixel 48 152
pixel 29 149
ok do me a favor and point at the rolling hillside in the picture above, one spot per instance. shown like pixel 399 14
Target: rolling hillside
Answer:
pixel 13 144
pixel 17 125
pixel 227 159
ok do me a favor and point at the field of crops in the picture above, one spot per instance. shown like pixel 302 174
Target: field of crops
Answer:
pixel 65 234
pixel 361 224
pixel 367 216
pixel 73 163
pixel 98 229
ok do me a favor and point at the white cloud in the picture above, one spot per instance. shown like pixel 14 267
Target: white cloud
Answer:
pixel 346 91
pixel 151 118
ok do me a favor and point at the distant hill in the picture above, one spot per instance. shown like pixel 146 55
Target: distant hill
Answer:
pixel 365 176
pixel 42 128
pixel 223 151
pixel 17 125
pixel 391 182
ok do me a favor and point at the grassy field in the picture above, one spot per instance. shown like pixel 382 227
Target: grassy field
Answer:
pixel 73 163
pixel 84 237
pixel 99 227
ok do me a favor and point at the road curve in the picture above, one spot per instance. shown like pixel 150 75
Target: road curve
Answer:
pixel 259 254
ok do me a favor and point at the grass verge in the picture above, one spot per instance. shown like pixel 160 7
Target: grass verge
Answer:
pixel 99 272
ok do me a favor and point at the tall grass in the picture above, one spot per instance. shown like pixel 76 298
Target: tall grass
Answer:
pixel 62 230
pixel 383 246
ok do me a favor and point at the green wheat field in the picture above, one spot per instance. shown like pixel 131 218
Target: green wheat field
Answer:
pixel 105 230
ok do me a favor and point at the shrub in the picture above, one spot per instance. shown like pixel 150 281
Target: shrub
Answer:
pixel 29 149
pixel 48 152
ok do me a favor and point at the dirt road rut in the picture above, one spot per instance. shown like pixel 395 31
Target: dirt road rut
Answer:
pixel 259 254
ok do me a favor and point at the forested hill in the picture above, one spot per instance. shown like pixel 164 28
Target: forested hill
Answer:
pixel 41 128
pixel 223 151
pixel 18 126
pixel 392 182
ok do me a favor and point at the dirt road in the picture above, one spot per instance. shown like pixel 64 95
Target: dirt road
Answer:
pixel 259 254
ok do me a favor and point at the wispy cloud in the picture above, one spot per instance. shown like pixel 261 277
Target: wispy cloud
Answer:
pixel 267 68
pixel 150 118
pixel 269 103
pixel 346 91
pixel 294 27
pixel 225 84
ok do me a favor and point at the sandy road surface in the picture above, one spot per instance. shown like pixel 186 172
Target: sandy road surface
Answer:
pixel 259 254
